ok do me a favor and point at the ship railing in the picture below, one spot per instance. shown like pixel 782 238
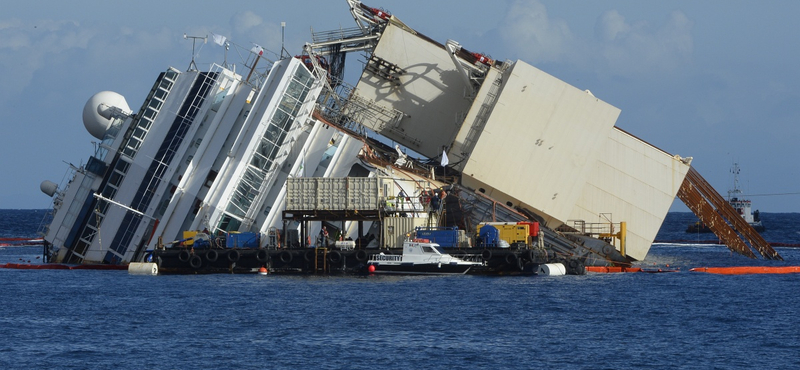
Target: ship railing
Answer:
pixel 404 204
pixel 341 34
pixel 596 228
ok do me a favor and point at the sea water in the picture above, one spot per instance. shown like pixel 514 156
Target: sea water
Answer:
pixel 86 319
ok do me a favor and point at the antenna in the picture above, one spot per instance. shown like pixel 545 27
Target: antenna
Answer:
pixel 192 65
pixel 225 61
pixel 283 36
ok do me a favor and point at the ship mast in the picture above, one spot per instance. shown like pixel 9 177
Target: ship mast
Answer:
pixel 735 192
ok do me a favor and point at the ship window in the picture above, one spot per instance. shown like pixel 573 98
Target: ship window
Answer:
pixel 253 176
pixel 427 249
pixel 155 104
pixel 116 179
pixel 165 85
pixel 170 74
pixel 122 166
pixel 259 161
pixel 229 223
pixel 109 192
pixel 280 118
pixel 290 104
pixel 139 133
pixel 80 248
pixel 303 76
pixel 161 94
pixel 266 149
pixel 212 175
pixel 281 137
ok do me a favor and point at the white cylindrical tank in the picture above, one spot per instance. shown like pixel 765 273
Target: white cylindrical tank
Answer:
pixel 93 118
pixel 143 268
pixel 48 187
pixel 552 269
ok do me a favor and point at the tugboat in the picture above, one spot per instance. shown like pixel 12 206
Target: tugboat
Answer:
pixel 739 203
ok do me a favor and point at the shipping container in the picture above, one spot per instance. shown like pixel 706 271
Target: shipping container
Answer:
pixel 397 229
pixel 336 194
pixel 242 240
pixel 450 237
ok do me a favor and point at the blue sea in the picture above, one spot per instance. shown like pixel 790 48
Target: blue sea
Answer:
pixel 82 319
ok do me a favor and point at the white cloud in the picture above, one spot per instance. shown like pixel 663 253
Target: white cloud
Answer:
pixel 245 21
pixel 537 38
pixel 619 46
pixel 637 48
pixel 250 28
pixel 612 25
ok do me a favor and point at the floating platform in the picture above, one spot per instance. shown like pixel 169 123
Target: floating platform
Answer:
pixel 336 261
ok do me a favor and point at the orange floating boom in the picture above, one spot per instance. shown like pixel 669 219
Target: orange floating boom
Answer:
pixel 612 269
pixel 745 270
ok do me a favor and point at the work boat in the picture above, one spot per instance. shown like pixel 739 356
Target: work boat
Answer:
pixel 740 204
pixel 420 256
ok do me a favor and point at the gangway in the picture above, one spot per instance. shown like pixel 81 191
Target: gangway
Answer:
pixel 712 209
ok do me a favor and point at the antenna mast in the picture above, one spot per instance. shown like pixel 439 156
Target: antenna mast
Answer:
pixel 192 65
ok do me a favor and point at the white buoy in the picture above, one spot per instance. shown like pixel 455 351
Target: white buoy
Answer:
pixel 552 269
pixel 143 268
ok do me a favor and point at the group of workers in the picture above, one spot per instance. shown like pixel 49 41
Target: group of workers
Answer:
pixel 430 199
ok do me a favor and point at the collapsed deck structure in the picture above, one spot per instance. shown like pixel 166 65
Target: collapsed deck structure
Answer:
pixel 220 152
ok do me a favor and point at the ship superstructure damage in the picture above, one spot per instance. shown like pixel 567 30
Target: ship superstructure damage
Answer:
pixel 433 139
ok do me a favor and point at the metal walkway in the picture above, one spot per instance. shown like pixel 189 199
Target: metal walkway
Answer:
pixel 722 219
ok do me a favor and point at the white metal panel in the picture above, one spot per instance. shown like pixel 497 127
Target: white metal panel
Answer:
pixel 635 182
pixel 540 142
pixel 430 93
pixel 472 127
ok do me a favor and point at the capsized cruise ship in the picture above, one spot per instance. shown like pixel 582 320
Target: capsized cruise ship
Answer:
pixel 225 152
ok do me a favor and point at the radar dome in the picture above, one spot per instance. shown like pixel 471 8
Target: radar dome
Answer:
pixel 93 117
pixel 48 187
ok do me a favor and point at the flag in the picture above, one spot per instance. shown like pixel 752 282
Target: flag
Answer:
pixel 219 39
pixel 445 161
pixel 257 49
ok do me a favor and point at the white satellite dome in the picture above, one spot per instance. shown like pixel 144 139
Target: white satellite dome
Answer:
pixel 48 187
pixel 95 112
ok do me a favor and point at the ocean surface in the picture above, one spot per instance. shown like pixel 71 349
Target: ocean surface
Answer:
pixel 81 319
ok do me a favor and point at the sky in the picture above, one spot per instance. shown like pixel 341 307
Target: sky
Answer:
pixel 715 80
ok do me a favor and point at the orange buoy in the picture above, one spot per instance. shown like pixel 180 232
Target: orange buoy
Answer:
pixel 371 268
pixel 263 271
